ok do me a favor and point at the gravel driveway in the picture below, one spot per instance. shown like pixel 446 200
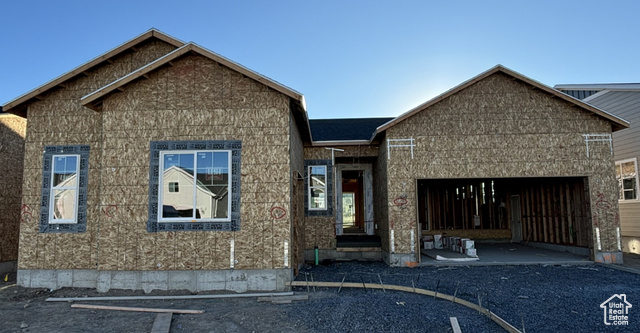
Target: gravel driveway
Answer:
pixel 534 297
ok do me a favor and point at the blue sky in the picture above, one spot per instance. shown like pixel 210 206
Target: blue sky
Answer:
pixel 349 58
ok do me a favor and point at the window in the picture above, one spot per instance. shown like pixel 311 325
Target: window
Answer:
pixel 318 182
pixel 627 176
pixel 194 185
pixel 317 187
pixel 64 189
pixel 205 182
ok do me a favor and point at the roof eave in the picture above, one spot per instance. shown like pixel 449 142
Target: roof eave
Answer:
pixel 340 143
pixel 17 106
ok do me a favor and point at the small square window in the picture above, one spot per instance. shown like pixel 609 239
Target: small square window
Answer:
pixel 173 187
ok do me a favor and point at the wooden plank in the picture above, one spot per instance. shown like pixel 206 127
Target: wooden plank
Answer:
pixel 544 235
pixel 563 212
pixel 162 324
pixel 358 249
pixel 454 325
pixel 144 298
pixel 124 308
pixel 549 202
pixel 567 193
pixel 284 298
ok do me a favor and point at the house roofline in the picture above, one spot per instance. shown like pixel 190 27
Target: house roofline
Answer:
pixel 340 143
pixel 95 97
pixel 17 105
pixel 599 86
pixel 617 122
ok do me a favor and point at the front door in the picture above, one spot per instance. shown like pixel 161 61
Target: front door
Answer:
pixel 354 211
pixel 516 219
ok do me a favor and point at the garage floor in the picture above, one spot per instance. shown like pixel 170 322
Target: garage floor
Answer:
pixel 509 254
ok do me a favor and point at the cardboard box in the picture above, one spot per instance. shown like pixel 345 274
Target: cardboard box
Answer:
pixel 472 252
pixel 468 244
pixel 437 241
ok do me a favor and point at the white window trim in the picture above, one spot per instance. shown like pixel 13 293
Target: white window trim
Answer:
pixel 326 177
pixel 53 188
pixel 195 167
pixel 635 163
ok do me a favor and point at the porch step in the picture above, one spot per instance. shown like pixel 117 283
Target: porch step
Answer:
pixel 359 249
pixel 358 241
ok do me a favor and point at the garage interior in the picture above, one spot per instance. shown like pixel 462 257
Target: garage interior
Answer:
pixel 542 212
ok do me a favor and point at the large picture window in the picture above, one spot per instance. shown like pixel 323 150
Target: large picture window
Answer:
pixel 65 172
pixel 627 175
pixel 194 185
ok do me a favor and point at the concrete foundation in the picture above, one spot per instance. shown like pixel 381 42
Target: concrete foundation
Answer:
pixel 581 251
pixel 609 257
pixel 309 255
pixel 194 281
pixel 8 267
pixel 399 259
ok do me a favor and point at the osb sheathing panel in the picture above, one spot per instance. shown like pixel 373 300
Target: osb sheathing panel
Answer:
pixel 297 194
pixel 320 153
pixel 320 232
pixel 12 133
pixel 195 99
pixel 501 127
pixel 59 119
pixel 380 199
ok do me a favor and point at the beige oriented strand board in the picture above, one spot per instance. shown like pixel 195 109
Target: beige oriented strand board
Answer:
pixel 59 119
pixel 12 137
pixel 537 136
pixel 202 100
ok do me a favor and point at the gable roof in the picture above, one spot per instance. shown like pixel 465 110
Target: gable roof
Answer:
pixel 18 105
pixel 94 99
pixel 352 129
pixel 616 122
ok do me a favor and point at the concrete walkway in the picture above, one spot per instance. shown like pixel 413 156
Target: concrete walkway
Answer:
pixel 511 254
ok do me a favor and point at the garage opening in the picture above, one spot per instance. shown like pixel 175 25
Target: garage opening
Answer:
pixel 545 210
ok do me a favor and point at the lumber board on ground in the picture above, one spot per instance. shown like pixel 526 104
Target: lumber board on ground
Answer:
pixel 162 324
pixel 144 298
pixel 284 298
pixel 134 309
pixel 454 325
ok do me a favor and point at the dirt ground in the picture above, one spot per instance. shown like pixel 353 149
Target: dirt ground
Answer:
pixel 25 310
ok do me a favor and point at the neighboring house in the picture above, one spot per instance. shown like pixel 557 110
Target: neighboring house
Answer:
pixel 622 100
pixel 500 156
pixel 12 132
